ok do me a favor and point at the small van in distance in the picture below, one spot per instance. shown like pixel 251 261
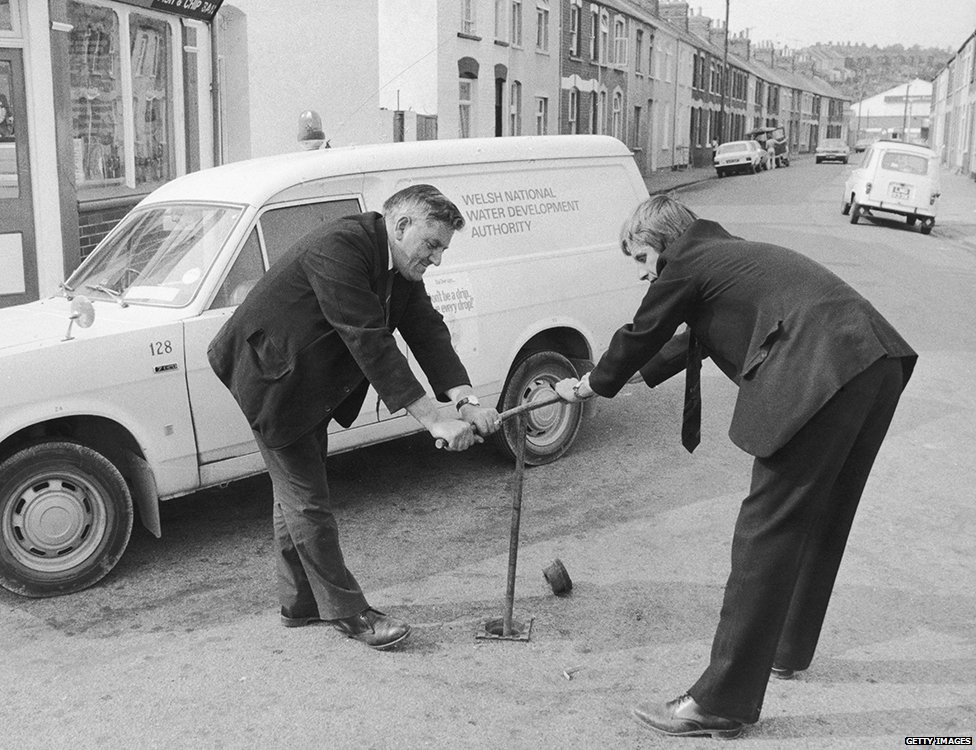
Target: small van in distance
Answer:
pixel 894 177
pixel 108 404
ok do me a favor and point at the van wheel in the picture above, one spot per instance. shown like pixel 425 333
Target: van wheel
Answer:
pixel 925 229
pixel 910 220
pixel 549 430
pixel 65 519
pixel 855 211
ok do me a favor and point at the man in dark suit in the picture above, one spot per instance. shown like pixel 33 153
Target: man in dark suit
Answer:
pixel 820 372
pixel 303 348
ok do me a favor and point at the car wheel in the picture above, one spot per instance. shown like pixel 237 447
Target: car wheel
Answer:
pixel 910 220
pixel 855 211
pixel 549 430
pixel 926 229
pixel 845 160
pixel 845 207
pixel 720 173
pixel 818 160
pixel 65 518
pixel 756 168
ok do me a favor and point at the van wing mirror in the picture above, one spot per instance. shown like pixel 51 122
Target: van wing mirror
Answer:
pixel 82 312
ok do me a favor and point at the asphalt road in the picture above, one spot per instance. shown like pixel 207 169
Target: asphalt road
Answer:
pixel 179 647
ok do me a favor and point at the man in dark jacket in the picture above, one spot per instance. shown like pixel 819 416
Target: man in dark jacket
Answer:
pixel 820 372
pixel 303 348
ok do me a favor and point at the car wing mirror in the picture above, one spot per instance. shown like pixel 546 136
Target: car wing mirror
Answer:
pixel 82 312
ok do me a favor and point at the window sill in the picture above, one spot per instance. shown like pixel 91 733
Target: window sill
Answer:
pixel 501 43
pixel 472 37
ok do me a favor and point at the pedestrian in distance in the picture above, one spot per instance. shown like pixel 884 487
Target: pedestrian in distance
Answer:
pixel 302 349
pixel 770 154
pixel 820 373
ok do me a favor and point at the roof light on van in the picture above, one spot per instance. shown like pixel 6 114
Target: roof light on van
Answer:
pixel 310 133
pixel 867 189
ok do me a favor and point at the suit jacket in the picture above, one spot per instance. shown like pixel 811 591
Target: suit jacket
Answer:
pixel 785 329
pixel 318 328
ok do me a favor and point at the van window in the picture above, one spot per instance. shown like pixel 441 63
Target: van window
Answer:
pixel 283 227
pixel 243 275
pixel 899 161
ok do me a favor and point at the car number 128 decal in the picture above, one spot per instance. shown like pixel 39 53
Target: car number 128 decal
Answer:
pixel 159 348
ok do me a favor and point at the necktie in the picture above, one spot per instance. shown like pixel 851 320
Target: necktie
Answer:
pixel 691 418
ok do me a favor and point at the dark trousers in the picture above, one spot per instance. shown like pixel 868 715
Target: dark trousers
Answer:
pixel 313 580
pixel 789 540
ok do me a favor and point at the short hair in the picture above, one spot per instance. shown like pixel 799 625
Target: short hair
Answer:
pixel 656 222
pixel 424 202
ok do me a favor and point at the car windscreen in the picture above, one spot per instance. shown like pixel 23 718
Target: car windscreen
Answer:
pixel 832 143
pixel 900 161
pixel 157 255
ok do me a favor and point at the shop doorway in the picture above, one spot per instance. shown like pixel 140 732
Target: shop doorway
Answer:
pixel 18 257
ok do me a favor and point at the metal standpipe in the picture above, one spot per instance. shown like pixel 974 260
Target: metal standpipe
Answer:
pixel 516 522
pixel 507 628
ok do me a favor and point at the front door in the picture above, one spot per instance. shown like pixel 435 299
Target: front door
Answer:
pixel 18 258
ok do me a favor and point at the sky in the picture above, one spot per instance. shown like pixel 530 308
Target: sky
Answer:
pixel 800 23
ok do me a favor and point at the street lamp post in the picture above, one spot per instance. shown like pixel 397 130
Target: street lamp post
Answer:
pixel 725 78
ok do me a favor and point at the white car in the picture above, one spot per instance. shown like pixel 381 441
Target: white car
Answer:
pixel 739 156
pixel 107 400
pixel 897 178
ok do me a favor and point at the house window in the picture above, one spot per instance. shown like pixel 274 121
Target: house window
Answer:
pixel 594 34
pixel 635 125
pixel 619 41
pixel 542 26
pixel 651 67
pixel 602 113
pixel 465 107
pixel 541 115
pixel 515 109
pixel 467 16
pixel 639 51
pixel 574 30
pixel 594 113
pixel 123 122
pixel 516 23
pixel 604 37
pixel 617 116
pixel 572 116
pixel 501 20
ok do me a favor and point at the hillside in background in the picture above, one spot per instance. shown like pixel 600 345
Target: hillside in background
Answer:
pixel 860 71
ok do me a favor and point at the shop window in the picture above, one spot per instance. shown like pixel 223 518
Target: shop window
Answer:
pixel 122 107
pixel 8 138
pixel 9 18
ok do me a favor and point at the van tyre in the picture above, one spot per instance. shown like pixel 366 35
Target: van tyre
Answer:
pixel 549 430
pixel 910 220
pixel 855 212
pixel 65 518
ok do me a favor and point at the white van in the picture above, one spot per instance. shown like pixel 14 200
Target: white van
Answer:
pixel 894 177
pixel 107 400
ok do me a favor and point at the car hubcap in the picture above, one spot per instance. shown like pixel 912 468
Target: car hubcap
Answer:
pixel 544 425
pixel 54 522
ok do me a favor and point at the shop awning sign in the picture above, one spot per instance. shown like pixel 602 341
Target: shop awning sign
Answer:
pixel 201 10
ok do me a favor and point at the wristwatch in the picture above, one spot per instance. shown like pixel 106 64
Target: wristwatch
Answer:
pixel 472 400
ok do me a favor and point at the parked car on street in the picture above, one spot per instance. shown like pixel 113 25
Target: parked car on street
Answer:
pixel 107 399
pixel 894 177
pixel 739 156
pixel 861 144
pixel 832 149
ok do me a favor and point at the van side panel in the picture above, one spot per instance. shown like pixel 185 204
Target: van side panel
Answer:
pixel 539 251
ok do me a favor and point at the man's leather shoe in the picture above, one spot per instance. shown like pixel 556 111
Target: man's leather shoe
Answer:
pixel 783 673
pixel 373 628
pixel 683 717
